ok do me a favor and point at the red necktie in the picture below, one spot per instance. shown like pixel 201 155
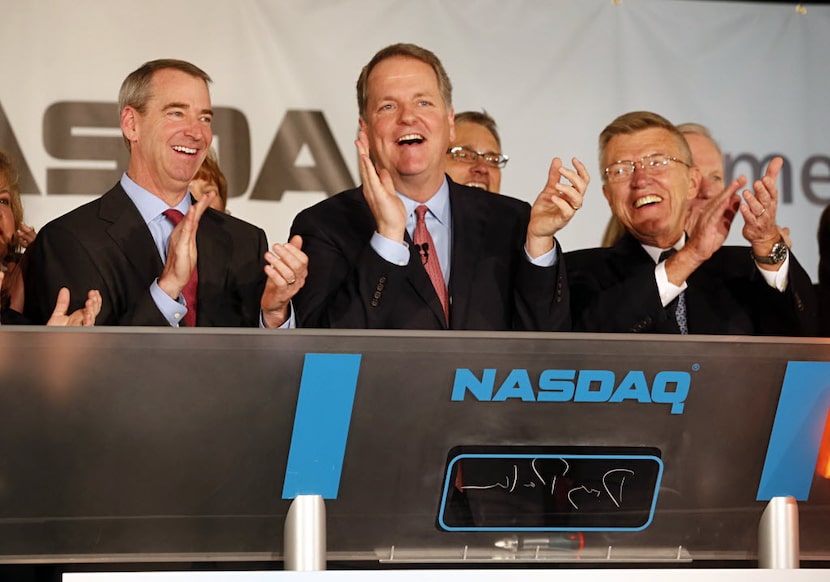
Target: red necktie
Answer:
pixel 429 258
pixel 189 291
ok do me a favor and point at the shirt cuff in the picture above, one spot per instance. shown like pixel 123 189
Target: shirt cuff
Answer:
pixel 172 310
pixel 289 323
pixel 389 250
pixel 777 279
pixel 546 260
pixel 668 290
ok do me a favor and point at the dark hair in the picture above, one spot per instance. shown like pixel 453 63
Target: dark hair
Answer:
pixel 409 51
pixel 481 118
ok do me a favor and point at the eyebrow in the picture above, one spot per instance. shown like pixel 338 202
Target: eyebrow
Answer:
pixel 176 105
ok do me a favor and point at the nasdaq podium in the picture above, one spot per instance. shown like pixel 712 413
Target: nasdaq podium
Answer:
pixel 137 446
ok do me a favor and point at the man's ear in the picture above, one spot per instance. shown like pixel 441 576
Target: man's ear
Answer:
pixel 695 178
pixel 128 123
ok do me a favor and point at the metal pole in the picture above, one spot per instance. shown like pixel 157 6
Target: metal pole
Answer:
pixel 778 545
pixel 304 534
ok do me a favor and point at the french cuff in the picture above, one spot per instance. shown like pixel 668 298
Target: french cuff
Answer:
pixel 668 290
pixel 777 279
pixel 390 250
pixel 546 260
pixel 172 310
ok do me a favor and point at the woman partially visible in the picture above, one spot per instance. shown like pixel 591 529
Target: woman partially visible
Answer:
pixel 14 238
pixel 210 178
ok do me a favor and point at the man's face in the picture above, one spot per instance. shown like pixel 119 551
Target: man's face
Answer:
pixel 170 140
pixel 478 174
pixel 710 163
pixel 651 204
pixel 408 125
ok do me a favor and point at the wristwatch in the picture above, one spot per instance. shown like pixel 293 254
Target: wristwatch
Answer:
pixel 777 255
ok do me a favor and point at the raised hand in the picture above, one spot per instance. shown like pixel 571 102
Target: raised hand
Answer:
pixel 81 317
pixel 760 208
pixel 379 191
pixel 556 205
pixel 287 270
pixel 181 249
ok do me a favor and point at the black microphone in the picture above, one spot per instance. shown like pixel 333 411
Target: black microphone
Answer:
pixel 423 250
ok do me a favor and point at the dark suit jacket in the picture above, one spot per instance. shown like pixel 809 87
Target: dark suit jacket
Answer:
pixel 492 285
pixel 614 290
pixel 106 245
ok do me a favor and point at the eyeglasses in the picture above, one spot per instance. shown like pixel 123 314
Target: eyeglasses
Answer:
pixel 622 170
pixel 468 156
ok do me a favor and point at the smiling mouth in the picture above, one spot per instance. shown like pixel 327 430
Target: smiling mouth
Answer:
pixel 647 200
pixel 185 150
pixel 477 185
pixel 410 139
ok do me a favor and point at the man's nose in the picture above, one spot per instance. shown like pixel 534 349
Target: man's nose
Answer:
pixel 407 113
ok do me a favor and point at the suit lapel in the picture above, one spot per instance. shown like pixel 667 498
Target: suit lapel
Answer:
pixel 469 223
pixel 129 231
pixel 629 253
pixel 214 246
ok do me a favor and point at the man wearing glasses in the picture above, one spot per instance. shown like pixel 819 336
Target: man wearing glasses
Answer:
pixel 660 279
pixel 474 158
pixel 411 249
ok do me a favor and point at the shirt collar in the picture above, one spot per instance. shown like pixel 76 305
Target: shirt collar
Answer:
pixel 439 204
pixel 654 252
pixel 149 205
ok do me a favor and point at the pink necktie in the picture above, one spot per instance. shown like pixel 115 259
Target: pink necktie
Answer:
pixel 429 258
pixel 189 291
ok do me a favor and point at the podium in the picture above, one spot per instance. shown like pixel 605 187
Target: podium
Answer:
pixel 181 446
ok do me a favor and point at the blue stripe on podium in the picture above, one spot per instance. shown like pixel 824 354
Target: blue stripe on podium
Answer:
pixel 796 433
pixel 321 425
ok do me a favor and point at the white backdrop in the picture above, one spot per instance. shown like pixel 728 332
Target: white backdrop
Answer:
pixel 552 72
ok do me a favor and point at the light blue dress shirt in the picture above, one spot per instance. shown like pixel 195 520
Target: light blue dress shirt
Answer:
pixel 439 223
pixel 152 208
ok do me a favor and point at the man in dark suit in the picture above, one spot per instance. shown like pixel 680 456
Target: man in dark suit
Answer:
pixel 413 250
pixel 659 279
pixel 146 246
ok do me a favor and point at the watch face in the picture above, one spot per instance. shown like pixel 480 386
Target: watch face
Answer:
pixel 779 252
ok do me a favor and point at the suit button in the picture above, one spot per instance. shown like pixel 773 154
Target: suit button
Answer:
pixel 374 303
pixel 382 279
pixel 377 295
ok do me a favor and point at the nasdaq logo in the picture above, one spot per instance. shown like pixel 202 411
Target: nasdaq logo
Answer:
pixel 668 387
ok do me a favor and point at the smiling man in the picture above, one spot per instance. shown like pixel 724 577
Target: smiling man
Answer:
pixel 138 243
pixel 411 249
pixel 660 279
pixel 475 158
